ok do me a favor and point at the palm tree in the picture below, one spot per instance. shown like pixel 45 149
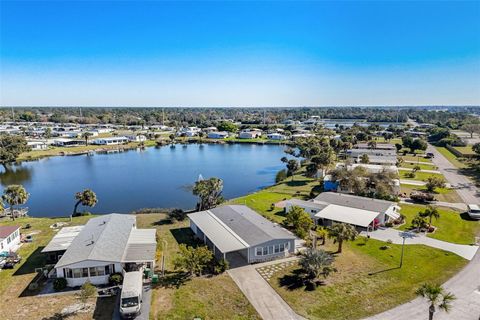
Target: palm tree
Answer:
pixel 430 213
pixel 15 195
pixel 322 233
pixel 341 232
pixel 316 263
pixel 209 192
pixel 85 136
pixel 436 296
pixel 87 198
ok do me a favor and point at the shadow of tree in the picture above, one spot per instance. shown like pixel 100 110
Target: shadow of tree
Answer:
pixel 297 280
pixel 296 183
pixel 163 222
pixel 59 316
pixel 173 280
pixel 104 308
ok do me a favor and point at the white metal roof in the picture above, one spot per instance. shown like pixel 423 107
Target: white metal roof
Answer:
pixel 141 245
pixel 358 217
pixel 62 240
pixel 224 238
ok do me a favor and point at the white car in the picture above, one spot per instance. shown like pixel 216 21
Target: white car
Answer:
pixel 474 211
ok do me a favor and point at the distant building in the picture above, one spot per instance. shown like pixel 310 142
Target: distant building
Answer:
pixel 111 141
pixel 137 138
pixel 217 135
pixel 64 142
pixel 378 146
pixel 37 145
pixel 250 134
pixel 276 136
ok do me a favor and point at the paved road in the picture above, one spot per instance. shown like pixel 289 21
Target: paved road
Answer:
pixel 426 171
pixel 464 251
pixel 261 295
pixel 465 187
pixel 465 285
pixel 454 205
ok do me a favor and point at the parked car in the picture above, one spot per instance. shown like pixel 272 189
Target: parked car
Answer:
pixel 474 211
pixel 9 265
pixel 430 155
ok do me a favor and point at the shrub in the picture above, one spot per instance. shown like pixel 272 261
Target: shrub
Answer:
pixel 388 224
pixel 59 284
pixel 177 214
pixel 115 279
pixel 281 175
pixel 221 266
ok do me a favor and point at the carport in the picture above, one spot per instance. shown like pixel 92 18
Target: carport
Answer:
pixel 219 238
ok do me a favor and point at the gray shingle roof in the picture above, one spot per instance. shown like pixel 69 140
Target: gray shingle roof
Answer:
pixel 357 202
pixel 103 238
pixel 249 225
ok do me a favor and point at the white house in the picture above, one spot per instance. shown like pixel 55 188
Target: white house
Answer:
pixel 137 138
pixel 9 238
pixel 217 135
pixel 331 207
pixel 276 136
pixel 106 244
pixel 37 145
pixel 64 142
pixel 250 134
pixel 111 141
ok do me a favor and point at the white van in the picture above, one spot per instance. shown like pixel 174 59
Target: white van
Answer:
pixel 474 211
pixel 131 296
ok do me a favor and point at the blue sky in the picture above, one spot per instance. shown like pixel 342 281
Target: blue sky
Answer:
pixel 239 53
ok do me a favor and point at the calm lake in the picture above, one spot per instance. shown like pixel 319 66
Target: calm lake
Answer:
pixel 149 178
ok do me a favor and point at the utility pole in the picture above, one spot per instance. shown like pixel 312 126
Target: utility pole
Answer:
pixel 13 114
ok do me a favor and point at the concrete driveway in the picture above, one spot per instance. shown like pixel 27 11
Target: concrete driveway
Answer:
pixel 261 295
pixel 145 310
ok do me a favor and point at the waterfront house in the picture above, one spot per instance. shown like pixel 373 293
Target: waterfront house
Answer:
pixel 9 238
pixel 364 213
pixel 276 136
pixel 378 146
pixel 250 134
pixel 217 135
pixel 137 138
pixel 240 235
pixel 64 142
pixel 105 245
pixel 37 145
pixel 111 141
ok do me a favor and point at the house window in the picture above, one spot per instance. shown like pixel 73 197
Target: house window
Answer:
pixel 277 248
pixel 85 272
pixel 77 273
pixel 282 247
pixel 265 251
pixel 93 272
pixel 68 273
pixel 107 269
pixel 258 251
pixel 100 271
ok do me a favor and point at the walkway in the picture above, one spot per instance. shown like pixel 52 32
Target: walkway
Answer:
pixel 413 182
pixel 464 251
pixel 269 305
pixel 465 188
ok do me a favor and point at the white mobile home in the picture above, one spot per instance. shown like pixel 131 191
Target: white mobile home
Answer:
pixel 106 244
pixel 9 238
pixel 111 141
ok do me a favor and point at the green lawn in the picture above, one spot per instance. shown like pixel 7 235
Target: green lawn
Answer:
pixel 441 194
pixel 261 201
pixel 451 157
pixel 465 150
pixel 415 158
pixel 452 226
pixel 352 293
pixel 216 297
pixel 422 166
pixel 419 175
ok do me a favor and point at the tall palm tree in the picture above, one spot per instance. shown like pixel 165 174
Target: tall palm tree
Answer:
pixel 209 192
pixel 15 195
pixel 430 212
pixel 85 136
pixel 341 232
pixel 87 198
pixel 436 296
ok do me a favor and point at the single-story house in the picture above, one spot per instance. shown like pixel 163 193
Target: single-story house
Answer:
pixel 240 235
pixel 250 134
pixel 64 142
pixel 357 153
pixel 378 146
pixel 371 168
pixel 9 238
pixel 106 244
pixel 276 136
pixel 37 145
pixel 111 141
pixel 331 207
pixel 137 138
pixel 217 135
